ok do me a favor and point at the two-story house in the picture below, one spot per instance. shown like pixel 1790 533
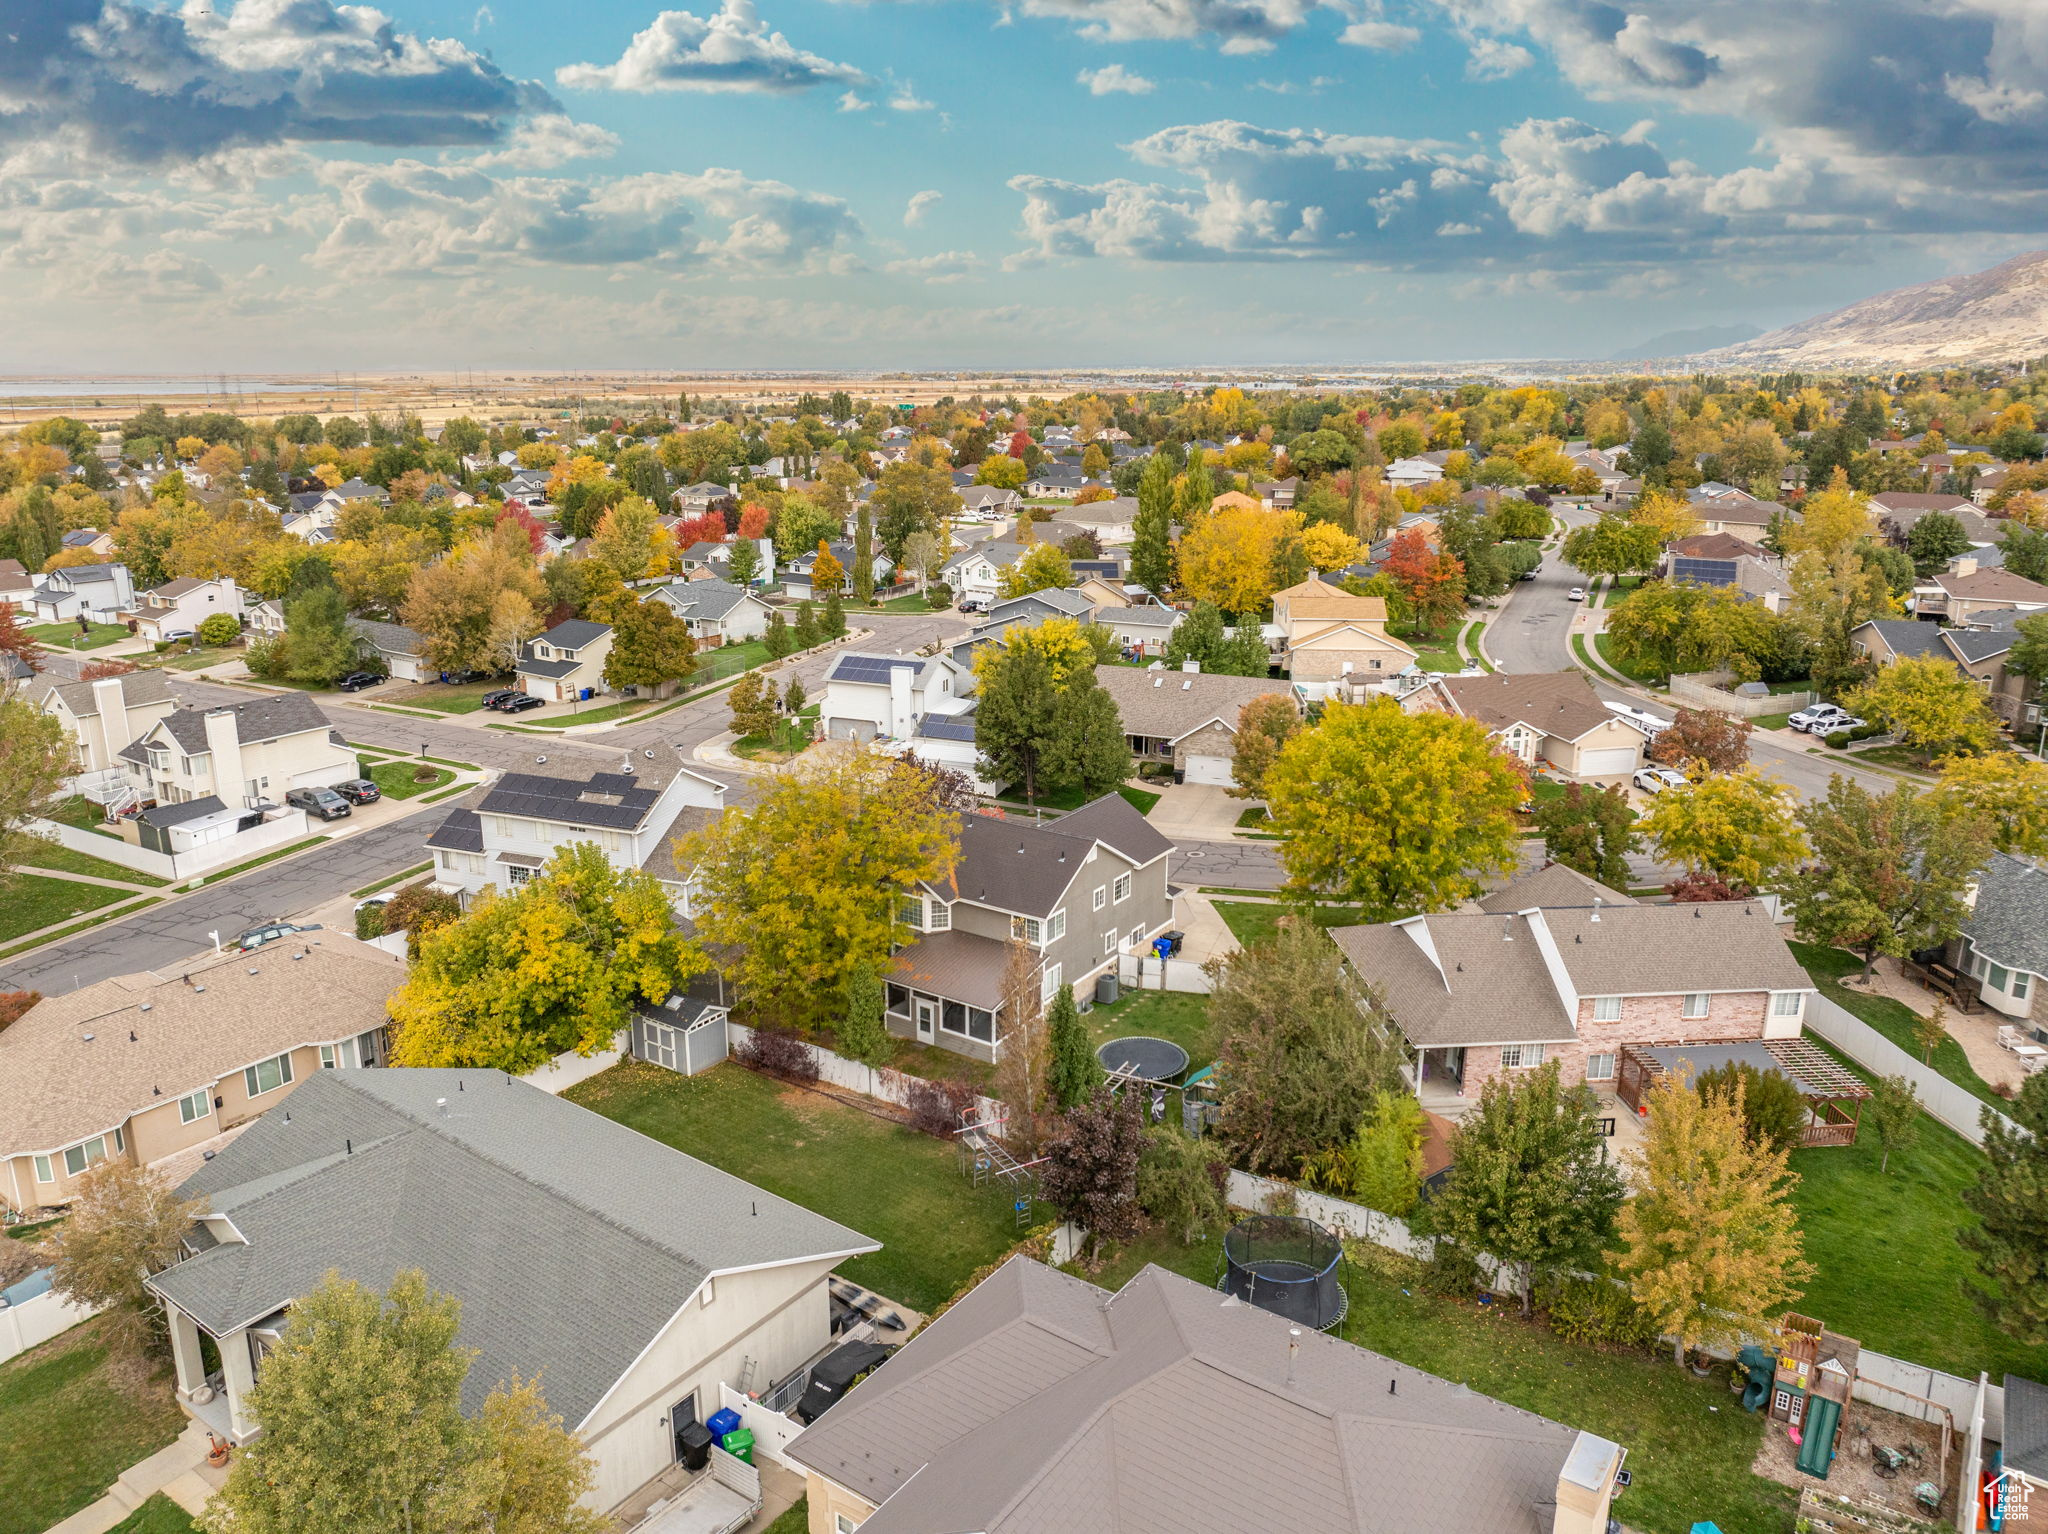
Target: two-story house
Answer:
pixel 1110 522
pixel 100 593
pixel 976 573
pixel 988 503
pixel 1077 892
pixel 870 696
pixel 567 661
pixel 1481 992
pixel 715 612
pixel 156 1069
pixel 1329 638
pixel 1978 651
pixel 1969 591
pixel 101 717
pixel 1549 718
pixel 2004 943
pixel 177 608
pixel 246 754
pixel 17 586
pixel 633 815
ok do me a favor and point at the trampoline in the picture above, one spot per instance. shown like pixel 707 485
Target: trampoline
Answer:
pixel 1144 1058
pixel 1287 1265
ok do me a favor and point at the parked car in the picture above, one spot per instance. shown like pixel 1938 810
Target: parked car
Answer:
pixel 972 605
pixel 502 696
pixel 456 678
pixel 270 932
pixel 1527 575
pixel 356 681
pixel 324 802
pixel 359 791
pixel 521 703
pixel 1576 594
pixel 1654 780
pixel 176 636
pixel 1819 718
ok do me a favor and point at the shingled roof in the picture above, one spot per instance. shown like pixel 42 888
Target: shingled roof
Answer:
pixel 1560 703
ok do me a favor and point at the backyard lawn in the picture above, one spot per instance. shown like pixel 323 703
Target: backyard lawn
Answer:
pixel 394 779
pixel 1252 923
pixel 1689 1446
pixel 789 736
pixel 899 1187
pixel 33 901
pixel 1891 1018
pixel 1178 1016
pixel 42 854
pixel 82 813
pixel 71 1429
pixel 65 636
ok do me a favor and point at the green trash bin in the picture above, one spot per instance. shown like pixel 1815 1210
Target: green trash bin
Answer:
pixel 739 1443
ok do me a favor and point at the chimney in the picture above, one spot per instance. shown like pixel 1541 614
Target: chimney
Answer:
pixel 1585 1486
pixel 1191 665
pixel 112 706
pixel 1967 565
pixel 224 744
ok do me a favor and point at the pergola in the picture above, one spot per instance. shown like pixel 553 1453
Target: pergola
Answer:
pixel 1834 1094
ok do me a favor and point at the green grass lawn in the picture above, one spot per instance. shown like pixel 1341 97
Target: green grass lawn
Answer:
pixel 789 737
pixel 1900 758
pixel 65 636
pixel 31 901
pixel 729 660
pixel 1605 645
pixel 1255 923
pixel 451 698
pixel 1253 818
pixel 1773 721
pixel 1178 1016
pixel 1140 799
pixel 42 854
pixel 913 603
pixel 899 1187
pixel 795 1521
pixel 159 1515
pixel 79 812
pixel 1891 1018
pixel 198 658
pixel 71 1429
pixel 395 779
pixel 1689 1445
pixel 600 714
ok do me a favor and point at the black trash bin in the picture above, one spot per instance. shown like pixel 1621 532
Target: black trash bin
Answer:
pixel 694 1444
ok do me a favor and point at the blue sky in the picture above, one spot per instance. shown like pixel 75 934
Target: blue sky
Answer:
pixel 274 184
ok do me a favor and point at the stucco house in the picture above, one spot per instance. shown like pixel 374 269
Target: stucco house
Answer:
pixel 976 572
pixel 715 612
pixel 246 754
pixel 100 593
pixel 102 717
pixel 1547 718
pixel 180 606
pixel 632 1280
pixel 157 1069
pixel 1330 638
pixel 1187 718
pixel 988 503
pixel 567 661
pixel 1969 591
pixel 397 646
pixel 1978 651
pixel 1143 628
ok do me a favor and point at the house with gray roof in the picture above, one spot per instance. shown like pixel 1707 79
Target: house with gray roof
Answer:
pixel 2004 943
pixel 1078 892
pixel 976 572
pixel 1041 1404
pixel 1111 521
pixel 870 696
pixel 632 1280
pixel 397 646
pixel 1187 718
pixel 715 612
pixel 100 593
pixel 566 662
pixel 250 755
pixel 101 717
pixel 1979 651
pixel 1486 992
pixel 987 503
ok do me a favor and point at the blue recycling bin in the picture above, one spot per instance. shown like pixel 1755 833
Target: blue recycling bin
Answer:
pixel 723 1421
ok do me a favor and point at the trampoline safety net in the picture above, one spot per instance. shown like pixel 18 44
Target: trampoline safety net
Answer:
pixel 1288 1265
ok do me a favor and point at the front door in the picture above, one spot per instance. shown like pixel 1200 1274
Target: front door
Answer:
pixel 927 1019
pixel 680 1416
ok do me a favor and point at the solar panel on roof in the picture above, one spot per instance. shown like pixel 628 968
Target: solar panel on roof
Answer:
pixel 866 668
pixel 946 729
pixel 1704 572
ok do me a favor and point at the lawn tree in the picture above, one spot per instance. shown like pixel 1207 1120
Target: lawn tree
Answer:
pixel 923 553
pixel 1613 545
pixel 219 630
pixel 1530 1180
pixel 1774 1112
pixel 1710 1243
pixel 1929 704
pixel 557 965
pixel 1151 529
pixel 862 1035
pixel 1088 749
pixel 1893 1116
pixel 364 1432
pixel 35 760
pixel 1930 1029
pixel 1590 830
pixel 1181 1182
pixel 1739 826
pixel 1719 740
pixel 1703 888
pixel 1014 720
pixel 2029 654
pixel 777 639
pixel 1002 471
pixel 2010 1200
pixel 1264 726
pixel 806 633
pixel 1676 629
pixel 1432 580
pixel 832 621
pixel 1072 1072
pixel 2006 791
pixel 651 648
pixel 1198 637
pixel 807 883
pixel 753 706
pixel 17 642
pixel 909 498
pixel 1245 652
pixel 1226 556
pixel 125 1222
pixel 1382 1166
pixel 1935 539
pixel 420 910
pixel 473 608
pixel 744 568
pixel 864 554
pixel 826 571
pixel 318 643
pixel 1398 812
pixel 1090 1173
pixel 1022 1069
pixel 794 697
pixel 1890 873
pixel 1040 568
pixel 1299 1055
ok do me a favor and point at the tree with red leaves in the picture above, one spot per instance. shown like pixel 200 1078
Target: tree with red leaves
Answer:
pixel 706 528
pixel 1433 581
pixel 99 670
pixel 1019 440
pixel 1704 888
pixel 16 641
pixel 516 514
pixel 753 521
pixel 1703 735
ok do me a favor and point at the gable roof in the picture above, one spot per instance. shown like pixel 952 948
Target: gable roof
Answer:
pixel 1715 546
pixel 138 688
pixel 575 633
pixel 78 1064
pixel 259 719
pixel 864 669
pixel 615 801
pixel 1025 867
pixel 2009 921
pixel 704 601
pixel 391 638
pixel 1039 1404
pixel 1551 885
pixel 1904 636
pixel 1063 600
pixel 570 1240
pixel 1171 704
pixel 1560 703
pixel 1985 584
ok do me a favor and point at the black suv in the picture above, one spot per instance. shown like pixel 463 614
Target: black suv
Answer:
pixel 356 681
pixel 324 802
pixel 359 791
pixel 520 702
pixel 503 695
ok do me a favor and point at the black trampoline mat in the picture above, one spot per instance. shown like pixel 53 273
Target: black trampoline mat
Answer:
pixel 1145 1057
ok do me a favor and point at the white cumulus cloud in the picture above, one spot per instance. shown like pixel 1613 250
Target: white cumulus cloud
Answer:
pixel 730 50
pixel 920 204
pixel 1114 79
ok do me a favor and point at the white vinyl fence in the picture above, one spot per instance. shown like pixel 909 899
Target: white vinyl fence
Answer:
pixel 565 1070
pixel 1870 1049
pixel 33 1321
pixel 288 826
pixel 773 1432
pixel 837 1070
pixel 1147 972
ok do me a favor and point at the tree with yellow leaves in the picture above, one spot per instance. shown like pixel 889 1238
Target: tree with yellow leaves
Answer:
pixel 1928 704
pixel 1227 558
pixel 1668 513
pixel 2007 791
pixel 1710 1243
pixel 625 537
pixel 473 608
pixel 827 573
pixel 1329 547
pixel 1737 825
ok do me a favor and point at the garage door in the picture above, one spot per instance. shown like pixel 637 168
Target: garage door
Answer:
pixel 1209 769
pixel 1614 761
pixel 850 729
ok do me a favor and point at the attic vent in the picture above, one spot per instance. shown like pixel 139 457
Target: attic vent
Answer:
pixel 198 987
pixel 145 1006
pixel 88 1038
pixel 252 969
pixel 1159 681
pixel 1186 686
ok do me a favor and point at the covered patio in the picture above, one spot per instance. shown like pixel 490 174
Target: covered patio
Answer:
pixel 1834 1095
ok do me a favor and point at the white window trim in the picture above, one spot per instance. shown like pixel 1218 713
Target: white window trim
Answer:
pixel 1797 999
pixel 204 1097
pixel 1122 888
pixel 46 1171
pixel 284 1075
pixel 1056 926
pixel 1525 1057
pixel 1053 976
pixel 1685 1006
pixel 1606 1009
pixel 1597 1055
pixel 1108 944
pixel 1101 896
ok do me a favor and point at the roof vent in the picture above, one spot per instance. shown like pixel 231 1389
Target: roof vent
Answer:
pixel 442 1104
pixel 1596 908
pixel 1507 930
pixel 88 1038
pixel 198 988
pixel 145 1006
pixel 156 1091
pixel 252 969
pixel 541 760
pixel 131 1036
pixel 206 1155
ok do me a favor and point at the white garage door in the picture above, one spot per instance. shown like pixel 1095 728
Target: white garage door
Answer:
pixel 1615 761
pixel 1209 769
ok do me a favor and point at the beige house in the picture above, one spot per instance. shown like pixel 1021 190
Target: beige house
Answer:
pixel 1103 593
pixel 1188 718
pixel 101 717
pixel 157 1069
pixel 1970 591
pixel 1547 718
pixel 246 755
pixel 567 661
pixel 1329 636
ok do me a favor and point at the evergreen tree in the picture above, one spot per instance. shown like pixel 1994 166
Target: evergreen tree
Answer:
pixel 1075 1072
pixel 795 697
pixel 807 633
pixel 863 1036
pixel 2011 1202
pixel 833 623
pixel 745 566
pixel 1014 720
pixel 778 640
pixel 1197 490
pixel 1152 528
pixel 863 571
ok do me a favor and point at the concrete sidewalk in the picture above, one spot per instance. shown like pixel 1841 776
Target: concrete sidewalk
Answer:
pixel 139 1482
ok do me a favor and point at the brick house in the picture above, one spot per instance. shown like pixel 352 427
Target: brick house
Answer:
pixel 1477 993
pixel 1551 718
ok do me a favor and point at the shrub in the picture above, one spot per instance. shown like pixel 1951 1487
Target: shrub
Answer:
pixel 370 922
pixel 940 596
pixel 1181 1182
pixel 1451 1272
pixel 1837 740
pixel 778 1052
pixel 416 911
pixel 264 657
pixel 13 1004
pixel 935 1107
pixel 220 629
pixel 1594 1310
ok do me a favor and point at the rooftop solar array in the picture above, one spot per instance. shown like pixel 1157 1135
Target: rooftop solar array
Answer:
pixel 1704 572
pixel 608 799
pixel 870 668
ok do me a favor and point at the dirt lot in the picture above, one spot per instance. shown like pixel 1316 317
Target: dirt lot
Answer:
pixel 1853 1473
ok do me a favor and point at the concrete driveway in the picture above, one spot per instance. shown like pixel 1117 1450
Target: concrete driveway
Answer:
pixel 1194 812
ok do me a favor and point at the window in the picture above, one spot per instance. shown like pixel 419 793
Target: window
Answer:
pixel 841 1524
pixel 268 1075
pixel 1606 1009
pixel 899 999
pixel 1695 1005
pixel 44 1171
pixel 1108 944
pixel 709 1293
pixel 328 1058
pixel 1999 977
pixel 79 1157
pixel 1052 982
pixel 1056 927
pixel 2018 991
pixel 517 873
pixel 1787 1003
pixel 940 917
pixel 1024 928
pixel 1137 937
pixel 910 911
pixel 194 1106
pixel 1599 1067
pixel 1123 888
pixel 1101 896
pixel 1521 1056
